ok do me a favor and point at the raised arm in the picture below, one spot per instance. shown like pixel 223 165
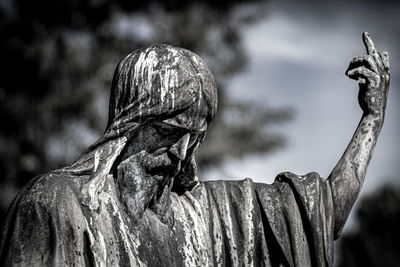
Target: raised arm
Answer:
pixel 372 73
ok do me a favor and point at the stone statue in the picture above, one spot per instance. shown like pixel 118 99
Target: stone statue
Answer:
pixel 133 198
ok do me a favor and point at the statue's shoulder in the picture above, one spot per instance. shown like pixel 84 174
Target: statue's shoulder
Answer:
pixel 47 191
pixel 45 217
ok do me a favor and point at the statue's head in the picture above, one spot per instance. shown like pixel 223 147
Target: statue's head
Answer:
pixel 163 100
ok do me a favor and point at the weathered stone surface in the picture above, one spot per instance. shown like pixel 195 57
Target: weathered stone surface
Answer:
pixel 133 198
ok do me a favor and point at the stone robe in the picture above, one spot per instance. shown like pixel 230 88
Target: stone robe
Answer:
pixel 217 223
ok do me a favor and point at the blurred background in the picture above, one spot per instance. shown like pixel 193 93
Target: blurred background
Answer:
pixel 285 103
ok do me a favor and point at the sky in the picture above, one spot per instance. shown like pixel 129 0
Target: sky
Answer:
pixel 298 55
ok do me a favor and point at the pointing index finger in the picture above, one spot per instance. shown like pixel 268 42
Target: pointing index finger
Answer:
pixel 369 45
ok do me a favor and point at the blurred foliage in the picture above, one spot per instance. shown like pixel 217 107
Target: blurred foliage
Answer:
pixel 376 241
pixel 57 62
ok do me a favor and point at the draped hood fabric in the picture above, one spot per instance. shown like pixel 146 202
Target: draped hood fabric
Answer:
pixel 159 82
pixel 74 217
pixel 155 83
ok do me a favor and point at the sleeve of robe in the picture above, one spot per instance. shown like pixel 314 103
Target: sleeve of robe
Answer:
pixel 45 227
pixel 287 223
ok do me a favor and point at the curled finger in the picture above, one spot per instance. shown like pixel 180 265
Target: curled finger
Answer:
pixel 385 59
pixel 364 61
pixel 364 75
pixel 378 60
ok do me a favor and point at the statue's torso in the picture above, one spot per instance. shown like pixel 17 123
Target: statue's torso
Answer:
pixel 117 240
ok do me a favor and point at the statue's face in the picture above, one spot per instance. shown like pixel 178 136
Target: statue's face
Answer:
pixel 160 155
pixel 179 134
pixel 169 144
pixel 174 143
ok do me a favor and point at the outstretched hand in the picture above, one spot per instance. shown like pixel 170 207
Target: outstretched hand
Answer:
pixel 372 73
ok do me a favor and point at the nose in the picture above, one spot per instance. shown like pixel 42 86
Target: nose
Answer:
pixel 179 148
